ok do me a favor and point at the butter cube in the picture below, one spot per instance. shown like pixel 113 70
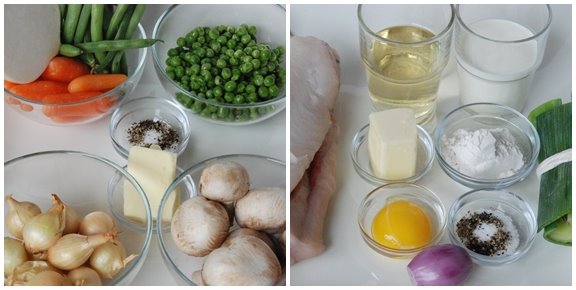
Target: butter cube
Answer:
pixel 392 143
pixel 154 170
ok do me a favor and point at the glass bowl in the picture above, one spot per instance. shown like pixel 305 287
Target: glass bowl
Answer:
pixel 507 207
pixel 178 20
pixel 129 114
pixel 490 117
pixel 262 171
pixel 89 110
pixel 361 157
pixel 87 183
pixel 412 193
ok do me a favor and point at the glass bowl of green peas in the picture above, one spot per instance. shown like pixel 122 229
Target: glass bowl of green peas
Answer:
pixel 223 63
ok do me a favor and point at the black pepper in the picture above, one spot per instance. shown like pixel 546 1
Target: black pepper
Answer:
pixel 492 245
pixel 148 132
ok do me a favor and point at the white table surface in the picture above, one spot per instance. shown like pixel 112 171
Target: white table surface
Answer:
pixel 348 260
pixel 268 138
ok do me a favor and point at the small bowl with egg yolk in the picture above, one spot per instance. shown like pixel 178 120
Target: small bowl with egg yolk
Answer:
pixel 401 219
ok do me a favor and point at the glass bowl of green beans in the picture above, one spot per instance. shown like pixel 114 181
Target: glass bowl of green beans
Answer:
pixel 223 63
pixel 123 55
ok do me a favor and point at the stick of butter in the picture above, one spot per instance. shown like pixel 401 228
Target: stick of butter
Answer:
pixel 392 143
pixel 154 170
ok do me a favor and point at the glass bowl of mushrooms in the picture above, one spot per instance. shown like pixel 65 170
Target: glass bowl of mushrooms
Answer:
pixel 60 228
pixel 231 229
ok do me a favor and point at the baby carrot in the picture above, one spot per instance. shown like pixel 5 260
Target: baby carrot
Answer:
pixel 64 69
pixel 8 84
pixel 84 110
pixel 69 97
pixel 96 82
pixel 36 90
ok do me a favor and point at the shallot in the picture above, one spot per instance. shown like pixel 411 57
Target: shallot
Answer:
pixel 43 230
pixel 73 250
pixel 109 259
pixel 14 255
pixel 84 276
pixel 445 264
pixel 72 217
pixel 97 222
pixel 19 213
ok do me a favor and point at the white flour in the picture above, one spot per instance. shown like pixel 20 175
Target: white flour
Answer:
pixel 483 153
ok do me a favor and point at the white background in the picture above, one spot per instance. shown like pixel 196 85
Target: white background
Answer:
pixel 348 260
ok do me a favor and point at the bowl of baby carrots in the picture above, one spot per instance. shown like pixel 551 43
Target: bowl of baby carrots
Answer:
pixel 100 62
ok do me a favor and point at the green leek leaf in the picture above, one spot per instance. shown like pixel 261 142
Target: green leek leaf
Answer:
pixel 554 126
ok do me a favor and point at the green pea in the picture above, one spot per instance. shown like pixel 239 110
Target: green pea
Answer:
pixel 197 107
pixel 269 80
pixel 273 91
pixel 174 61
pixel 218 80
pixel 252 30
pixel 218 91
pixel 173 52
pixel 201 39
pixel 230 86
pixel 240 88
pixel 171 75
pixel 205 75
pixel 238 99
pixel 206 66
pixel 233 61
pixel 235 74
pixel 256 53
pixel 226 73
pixel 213 33
pixel 221 63
pixel 223 112
pixel 246 67
pixel 252 97
pixel 195 69
pixel 259 80
pixel 263 92
pixel 181 41
pixel 255 63
pixel 229 97
pixel 245 39
pixel 265 54
pixel 179 71
pixel 250 88
pixel 238 53
pixel 241 30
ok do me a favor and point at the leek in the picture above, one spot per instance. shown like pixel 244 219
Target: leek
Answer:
pixel 553 121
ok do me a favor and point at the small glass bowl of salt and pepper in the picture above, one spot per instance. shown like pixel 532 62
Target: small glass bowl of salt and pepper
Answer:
pixel 148 121
pixel 495 226
pixel 485 145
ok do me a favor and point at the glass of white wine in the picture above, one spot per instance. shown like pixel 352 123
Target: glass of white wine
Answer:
pixel 405 48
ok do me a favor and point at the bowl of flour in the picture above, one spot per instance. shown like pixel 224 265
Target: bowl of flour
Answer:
pixel 484 145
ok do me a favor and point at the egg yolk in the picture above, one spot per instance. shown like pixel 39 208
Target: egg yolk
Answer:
pixel 401 225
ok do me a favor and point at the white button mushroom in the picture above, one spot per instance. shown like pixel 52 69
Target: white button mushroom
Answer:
pixel 245 261
pixel 199 226
pixel 262 209
pixel 224 181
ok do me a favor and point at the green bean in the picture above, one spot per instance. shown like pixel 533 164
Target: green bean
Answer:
pixel 69 50
pixel 121 32
pixel 71 22
pixel 116 45
pixel 124 64
pixel 83 22
pixel 62 8
pixel 135 19
pixel 96 24
pixel 116 67
pixel 116 19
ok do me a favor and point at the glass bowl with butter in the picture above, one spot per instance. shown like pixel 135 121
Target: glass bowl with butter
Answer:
pixel 402 153
pixel 81 181
pixel 399 220
pixel 262 171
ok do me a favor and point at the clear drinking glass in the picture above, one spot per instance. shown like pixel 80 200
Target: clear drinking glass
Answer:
pixel 498 49
pixel 405 48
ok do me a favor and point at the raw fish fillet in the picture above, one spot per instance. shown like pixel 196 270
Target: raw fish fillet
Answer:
pixel 314 87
